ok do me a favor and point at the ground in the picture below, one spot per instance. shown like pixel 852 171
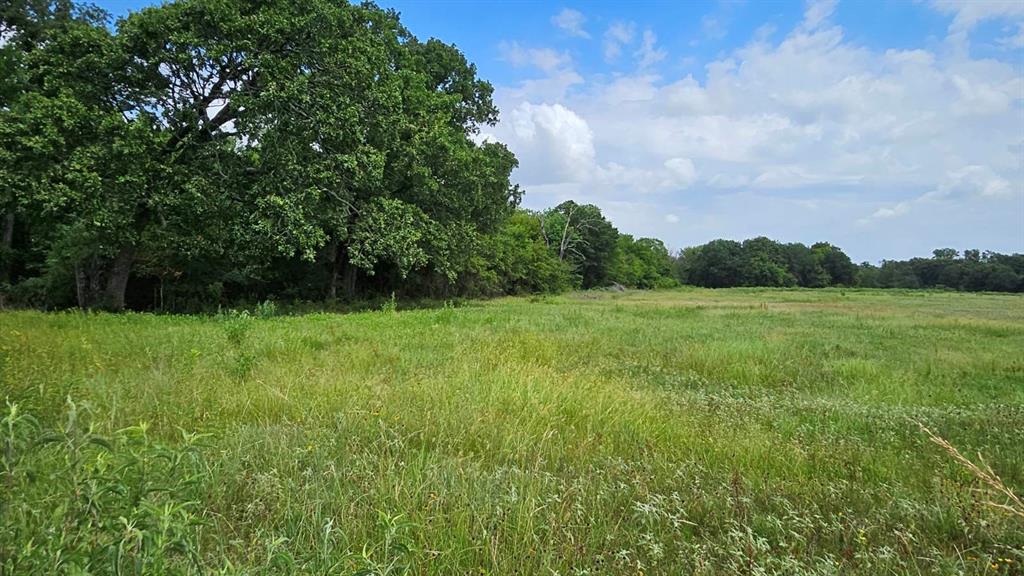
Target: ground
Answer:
pixel 670 432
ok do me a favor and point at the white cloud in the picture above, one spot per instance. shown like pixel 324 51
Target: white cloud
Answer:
pixel 557 142
pixel 969 13
pixel 973 180
pixel 552 88
pixel 1013 41
pixel 728 181
pixel 683 173
pixel 648 54
pixel 545 59
pixel 961 184
pixel 896 210
pixel 616 36
pixel 571 22
pixel 818 12
pixel 671 218
pixel 630 89
pixel 559 75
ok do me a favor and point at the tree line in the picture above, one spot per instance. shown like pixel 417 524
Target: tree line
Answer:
pixel 199 153
pixel 765 262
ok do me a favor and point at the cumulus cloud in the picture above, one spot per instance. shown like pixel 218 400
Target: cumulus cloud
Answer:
pixel 571 22
pixel 968 14
pixel 827 134
pixel 557 142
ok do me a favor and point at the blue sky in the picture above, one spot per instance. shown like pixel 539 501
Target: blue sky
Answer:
pixel 888 128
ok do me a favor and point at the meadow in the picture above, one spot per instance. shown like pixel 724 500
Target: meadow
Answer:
pixel 689 431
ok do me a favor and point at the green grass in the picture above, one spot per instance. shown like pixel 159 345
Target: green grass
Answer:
pixel 690 431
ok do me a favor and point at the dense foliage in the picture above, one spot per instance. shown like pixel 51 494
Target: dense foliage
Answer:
pixel 765 262
pixel 225 149
pixel 947 269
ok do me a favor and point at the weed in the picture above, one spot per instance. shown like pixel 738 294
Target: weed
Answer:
pixel 266 309
pixel 79 502
pixel 390 306
pixel 237 328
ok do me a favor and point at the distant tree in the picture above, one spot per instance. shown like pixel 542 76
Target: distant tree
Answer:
pixel 896 274
pixel 1014 261
pixel 840 269
pixel 805 267
pixel 867 275
pixel 641 263
pixel 951 275
pixel 683 267
pixel 1002 278
pixel 582 236
pixel 764 263
pixel 79 151
pixel 518 261
pixel 718 264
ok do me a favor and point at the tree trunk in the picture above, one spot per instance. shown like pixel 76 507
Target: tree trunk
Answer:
pixel 102 284
pixel 6 245
pixel 87 282
pixel 333 259
pixel 348 278
pixel 117 279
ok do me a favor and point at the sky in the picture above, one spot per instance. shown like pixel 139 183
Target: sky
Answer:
pixel 886 128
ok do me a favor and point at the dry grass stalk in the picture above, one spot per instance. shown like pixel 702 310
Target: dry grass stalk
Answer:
pixel 983 472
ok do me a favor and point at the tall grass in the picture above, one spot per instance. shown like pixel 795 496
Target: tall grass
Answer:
pixel 690 431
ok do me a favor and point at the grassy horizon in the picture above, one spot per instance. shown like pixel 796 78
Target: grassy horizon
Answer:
pixel 687 431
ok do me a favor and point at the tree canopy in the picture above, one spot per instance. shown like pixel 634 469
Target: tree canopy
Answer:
pixel 203 140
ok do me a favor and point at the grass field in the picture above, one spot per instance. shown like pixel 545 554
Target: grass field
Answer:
pixel 690 431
